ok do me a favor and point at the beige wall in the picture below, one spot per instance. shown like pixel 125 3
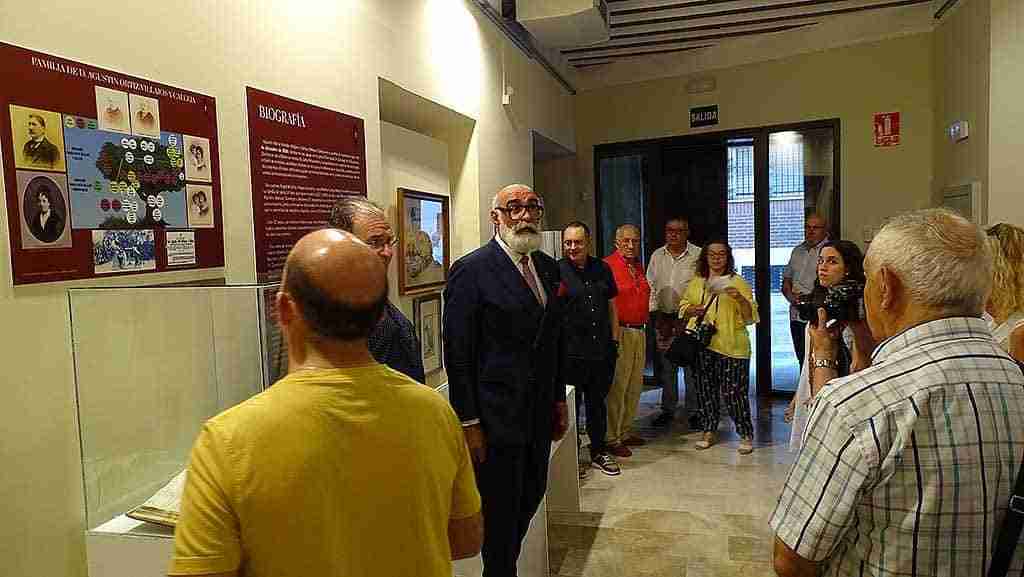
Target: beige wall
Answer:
pixel 978 48
pixel 848 83
pixel 1006 140
pixel 419 162
pixel 556 179
pixel 327 53
pixel 961 87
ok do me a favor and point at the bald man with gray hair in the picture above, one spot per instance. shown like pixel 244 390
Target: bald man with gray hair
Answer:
pixel 907 467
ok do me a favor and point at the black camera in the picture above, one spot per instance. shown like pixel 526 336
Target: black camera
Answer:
pixel 841 303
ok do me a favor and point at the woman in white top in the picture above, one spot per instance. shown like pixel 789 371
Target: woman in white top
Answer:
pixel 1006 303
pixel 840 261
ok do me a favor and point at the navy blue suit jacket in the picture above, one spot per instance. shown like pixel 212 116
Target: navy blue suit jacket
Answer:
pixel 501 349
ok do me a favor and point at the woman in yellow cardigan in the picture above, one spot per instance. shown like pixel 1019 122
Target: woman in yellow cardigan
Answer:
pixel 724 367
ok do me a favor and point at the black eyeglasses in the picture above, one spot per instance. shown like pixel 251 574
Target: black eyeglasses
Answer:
pixel 382 243
pixel 516 210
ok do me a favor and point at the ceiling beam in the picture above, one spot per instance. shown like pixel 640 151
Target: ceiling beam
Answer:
pixel 672 23
pixel 583 60
pixel 699 6
pixel 689 33
pixel 611 50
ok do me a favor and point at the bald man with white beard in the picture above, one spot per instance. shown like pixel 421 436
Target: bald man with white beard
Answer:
pixel 501 330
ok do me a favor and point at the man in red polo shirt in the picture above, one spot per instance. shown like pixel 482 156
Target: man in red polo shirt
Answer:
pixel 631 304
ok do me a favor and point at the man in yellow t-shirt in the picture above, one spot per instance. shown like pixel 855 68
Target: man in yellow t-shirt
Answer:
pixel 343 467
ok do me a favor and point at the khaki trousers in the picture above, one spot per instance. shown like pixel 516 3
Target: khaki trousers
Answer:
pixel 624 396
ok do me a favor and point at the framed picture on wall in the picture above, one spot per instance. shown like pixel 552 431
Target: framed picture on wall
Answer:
pixel 426 312
pixel 423 256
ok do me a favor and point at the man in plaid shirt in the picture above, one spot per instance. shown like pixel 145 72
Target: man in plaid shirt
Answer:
pixel 907 466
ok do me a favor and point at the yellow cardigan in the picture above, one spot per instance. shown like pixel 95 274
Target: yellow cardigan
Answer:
pixel 731 337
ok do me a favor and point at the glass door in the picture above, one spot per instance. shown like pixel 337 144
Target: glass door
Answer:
pixel 742 231
pixel 802 208
pixel 622 183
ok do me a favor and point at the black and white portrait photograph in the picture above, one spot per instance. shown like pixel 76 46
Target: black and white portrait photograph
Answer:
pixel 199 199
pixel 145 113
pixel 44 210
pixel 112 110
pixel 197 158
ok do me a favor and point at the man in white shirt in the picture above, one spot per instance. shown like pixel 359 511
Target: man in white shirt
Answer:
pixel 671 269
pixel 800 274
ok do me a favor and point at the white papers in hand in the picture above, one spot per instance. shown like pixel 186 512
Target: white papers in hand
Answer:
pixel 718 284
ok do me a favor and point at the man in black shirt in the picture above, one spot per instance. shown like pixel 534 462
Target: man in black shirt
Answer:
pixel 588 342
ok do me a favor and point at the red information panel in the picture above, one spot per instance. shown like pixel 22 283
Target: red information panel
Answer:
pixel 303 158
pixel 105 174
pixel 887 129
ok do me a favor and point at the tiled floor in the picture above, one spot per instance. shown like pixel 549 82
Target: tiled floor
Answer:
pixel 675 511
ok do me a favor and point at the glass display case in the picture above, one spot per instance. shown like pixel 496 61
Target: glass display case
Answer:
pixel 152 364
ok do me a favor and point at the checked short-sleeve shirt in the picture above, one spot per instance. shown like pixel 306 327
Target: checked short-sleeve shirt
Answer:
pixel 907 466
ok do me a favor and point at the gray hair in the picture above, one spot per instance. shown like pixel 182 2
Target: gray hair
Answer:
pixel 623 228
pixel 941 258
pixel 347 208
pixel 494 201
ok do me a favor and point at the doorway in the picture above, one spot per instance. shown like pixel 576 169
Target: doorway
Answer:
pixel 754 187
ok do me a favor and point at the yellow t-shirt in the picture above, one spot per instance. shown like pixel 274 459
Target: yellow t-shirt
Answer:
pixel 731 338
pixel 329 472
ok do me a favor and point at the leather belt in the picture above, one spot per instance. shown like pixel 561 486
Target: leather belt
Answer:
pixel 637 327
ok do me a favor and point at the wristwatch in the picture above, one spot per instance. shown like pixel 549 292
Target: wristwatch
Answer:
pixel 825 364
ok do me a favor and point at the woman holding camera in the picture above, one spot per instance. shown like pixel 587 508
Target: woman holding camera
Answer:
pixel 1006 303
pixel 726 303
pixel 841 273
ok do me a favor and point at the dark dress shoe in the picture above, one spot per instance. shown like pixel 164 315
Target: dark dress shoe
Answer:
pixel 620 451
pixel 634 441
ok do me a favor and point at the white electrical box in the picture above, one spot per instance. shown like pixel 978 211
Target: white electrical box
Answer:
pixel 959 130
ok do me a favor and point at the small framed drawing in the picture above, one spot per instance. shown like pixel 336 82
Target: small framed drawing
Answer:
pixel 423 262
pixel 426 312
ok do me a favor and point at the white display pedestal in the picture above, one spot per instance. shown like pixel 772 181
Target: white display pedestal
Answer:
pixel 563 495
pixel 124 547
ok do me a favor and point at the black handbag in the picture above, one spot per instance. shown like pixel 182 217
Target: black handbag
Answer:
pixel 686 347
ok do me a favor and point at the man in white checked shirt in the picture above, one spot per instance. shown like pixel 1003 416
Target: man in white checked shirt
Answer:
pixel 907 466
